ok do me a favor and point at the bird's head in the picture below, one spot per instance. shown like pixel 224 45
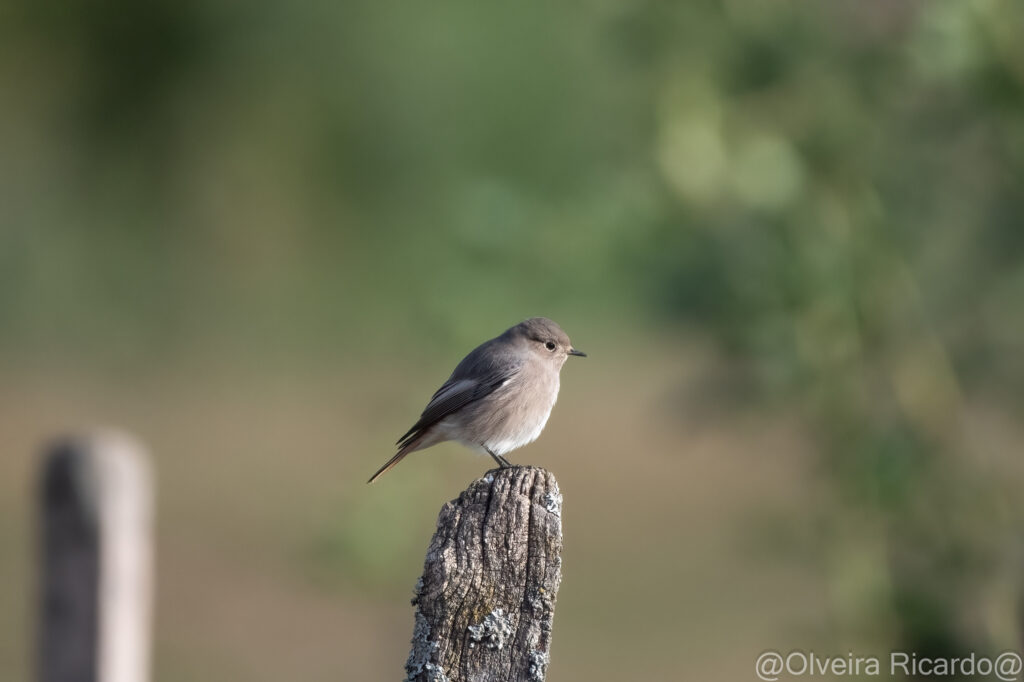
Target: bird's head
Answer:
pixel 545 339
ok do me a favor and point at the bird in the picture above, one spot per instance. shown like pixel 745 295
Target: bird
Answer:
pixel 498 398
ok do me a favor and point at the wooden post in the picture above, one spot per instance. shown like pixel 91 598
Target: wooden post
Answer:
pixel 485 603
pixel 95 592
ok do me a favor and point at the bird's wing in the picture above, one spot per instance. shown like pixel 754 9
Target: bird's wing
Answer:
pixel 458 392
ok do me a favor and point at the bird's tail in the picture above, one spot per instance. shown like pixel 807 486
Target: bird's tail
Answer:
pixel 390 463
pixel 409 443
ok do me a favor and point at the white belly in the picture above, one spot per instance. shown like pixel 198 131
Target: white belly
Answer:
pixel 523 437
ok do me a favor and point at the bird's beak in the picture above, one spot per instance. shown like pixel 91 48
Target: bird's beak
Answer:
pixel 579 353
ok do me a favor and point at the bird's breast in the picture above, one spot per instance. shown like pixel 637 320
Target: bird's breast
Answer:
pixel 521 410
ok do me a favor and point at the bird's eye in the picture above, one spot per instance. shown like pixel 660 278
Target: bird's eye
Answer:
pixel 550 345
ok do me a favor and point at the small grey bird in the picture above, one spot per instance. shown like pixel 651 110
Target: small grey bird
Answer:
pixel 498 398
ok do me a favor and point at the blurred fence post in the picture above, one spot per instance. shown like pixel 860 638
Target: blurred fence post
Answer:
pixel 486 601
pixel 95 510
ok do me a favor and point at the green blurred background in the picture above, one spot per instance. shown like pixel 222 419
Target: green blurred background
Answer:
pixel 259 235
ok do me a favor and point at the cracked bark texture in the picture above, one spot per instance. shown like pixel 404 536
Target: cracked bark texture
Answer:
pixel 485 603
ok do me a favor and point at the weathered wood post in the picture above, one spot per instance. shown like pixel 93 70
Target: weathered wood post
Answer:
pixel 95 592
pixel 485 603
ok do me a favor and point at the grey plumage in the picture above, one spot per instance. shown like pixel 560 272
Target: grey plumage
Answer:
pixel 498 398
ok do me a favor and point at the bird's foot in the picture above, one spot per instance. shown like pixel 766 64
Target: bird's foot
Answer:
pixel 502 462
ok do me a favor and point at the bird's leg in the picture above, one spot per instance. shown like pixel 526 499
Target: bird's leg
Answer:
pixel 502 462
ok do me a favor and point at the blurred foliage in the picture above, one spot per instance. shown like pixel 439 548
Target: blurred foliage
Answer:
pixel 831 191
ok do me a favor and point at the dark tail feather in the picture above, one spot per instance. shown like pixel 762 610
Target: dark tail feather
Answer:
pixel 405 450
